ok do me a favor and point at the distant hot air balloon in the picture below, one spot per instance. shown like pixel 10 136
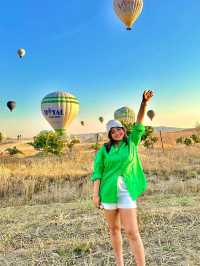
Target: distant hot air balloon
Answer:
pixel 82 123
pixel 151 114
pixel 101 119
pixel 21 52
pixel 11 105
pixel 125 115
pixel 60 108
pixel 128 11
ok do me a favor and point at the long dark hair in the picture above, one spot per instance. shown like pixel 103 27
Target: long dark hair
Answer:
pixel 109 144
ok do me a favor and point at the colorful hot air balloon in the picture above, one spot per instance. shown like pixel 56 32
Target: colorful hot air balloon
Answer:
pixel 128 11
pixel 60 108
pixel 101 119
pixel 82 123
pixel 125 115
pixel 151 114
pixel 11 105
pixel 21 52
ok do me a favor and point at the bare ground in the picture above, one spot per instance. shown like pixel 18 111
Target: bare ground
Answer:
pixel 76 233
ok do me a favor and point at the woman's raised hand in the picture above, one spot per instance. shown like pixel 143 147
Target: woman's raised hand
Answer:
pixel 147 95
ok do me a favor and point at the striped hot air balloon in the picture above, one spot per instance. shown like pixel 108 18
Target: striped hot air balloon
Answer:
pixel 128 11
pixel 60 108
pixel 125 115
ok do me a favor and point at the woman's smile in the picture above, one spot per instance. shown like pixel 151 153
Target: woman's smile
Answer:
pixel 117 133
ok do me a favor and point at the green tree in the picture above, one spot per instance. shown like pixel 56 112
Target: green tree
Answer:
pixel 148 132
pixel 150 141
pixel 1 137
pixel 49 142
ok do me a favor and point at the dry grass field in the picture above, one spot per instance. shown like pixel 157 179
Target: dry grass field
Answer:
pixel 47 216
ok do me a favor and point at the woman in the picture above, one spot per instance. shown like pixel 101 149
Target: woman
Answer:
pixel 118 179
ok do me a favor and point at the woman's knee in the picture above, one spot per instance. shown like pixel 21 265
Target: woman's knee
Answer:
pixel 114 230
pixel 133 235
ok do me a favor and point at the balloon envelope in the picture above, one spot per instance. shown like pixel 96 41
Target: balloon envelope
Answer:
pixel 151 114
pixel 128 11
pixel 11 105
pixel 60 108
pixel 101 119
pixel 21 52
pixel 125 115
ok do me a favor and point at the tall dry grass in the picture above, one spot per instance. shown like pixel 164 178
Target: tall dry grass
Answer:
pixel 60 179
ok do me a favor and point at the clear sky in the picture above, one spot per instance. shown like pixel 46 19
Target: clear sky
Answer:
pixel 81 47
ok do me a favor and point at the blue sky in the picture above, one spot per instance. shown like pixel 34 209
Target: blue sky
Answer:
pixel 82 47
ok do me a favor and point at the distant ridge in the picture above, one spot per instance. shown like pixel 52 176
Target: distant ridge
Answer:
pixel 169 129
pixel 91 137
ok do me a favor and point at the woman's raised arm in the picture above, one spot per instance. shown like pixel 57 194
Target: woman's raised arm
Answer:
pixel 147 95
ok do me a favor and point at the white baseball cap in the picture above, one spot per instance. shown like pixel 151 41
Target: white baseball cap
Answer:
pixel 113 123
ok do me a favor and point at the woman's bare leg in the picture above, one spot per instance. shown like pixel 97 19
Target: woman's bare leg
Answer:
pixel 113 220
pixel 129 220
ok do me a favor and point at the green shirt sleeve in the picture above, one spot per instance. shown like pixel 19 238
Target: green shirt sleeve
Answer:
pixel 137 132
pixel 98 165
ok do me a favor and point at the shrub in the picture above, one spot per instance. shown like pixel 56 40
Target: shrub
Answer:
pixel 195 138
pixel 180 140
pixel 95 146
pixel 72 142
pixel 150 141
pixel 188 141
pixel 13 151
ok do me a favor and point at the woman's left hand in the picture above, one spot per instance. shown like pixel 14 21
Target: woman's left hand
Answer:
pixel 147 95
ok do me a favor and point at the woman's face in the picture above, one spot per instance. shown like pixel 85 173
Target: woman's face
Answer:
pixel 117 133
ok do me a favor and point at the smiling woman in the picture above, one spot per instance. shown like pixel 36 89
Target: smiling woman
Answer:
pixel 119 180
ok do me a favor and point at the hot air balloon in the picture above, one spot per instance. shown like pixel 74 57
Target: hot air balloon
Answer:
pixel 21 52
pixel 60 108
pixel 101 119
pixel 128 11
pixel 125 115
pixel 11 105
pixel 82 123
pixel 151 114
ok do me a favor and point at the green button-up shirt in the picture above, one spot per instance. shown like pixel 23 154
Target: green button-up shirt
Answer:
pixel 122 160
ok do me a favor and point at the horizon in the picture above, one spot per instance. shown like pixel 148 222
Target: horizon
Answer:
pixel 104 132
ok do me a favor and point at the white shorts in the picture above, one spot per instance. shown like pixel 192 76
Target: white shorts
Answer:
pixel 124 199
